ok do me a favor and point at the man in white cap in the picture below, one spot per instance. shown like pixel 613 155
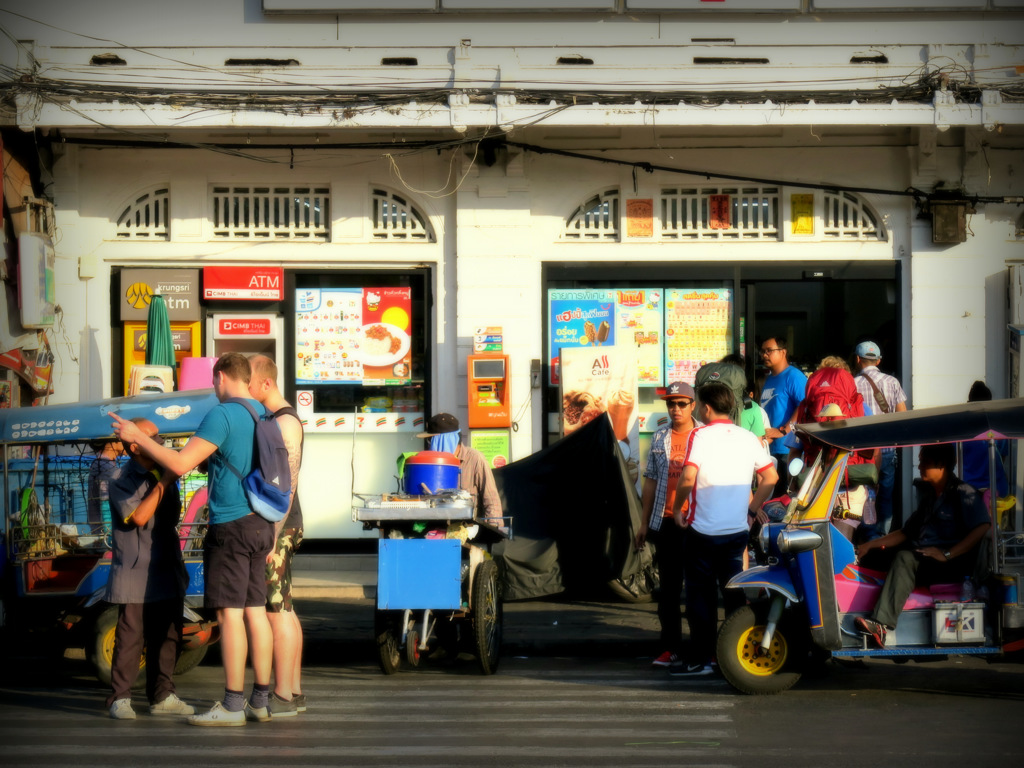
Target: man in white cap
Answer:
pixel 885 395
pixel 475 474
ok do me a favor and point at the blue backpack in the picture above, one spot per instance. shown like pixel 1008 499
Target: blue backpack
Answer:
pixel 268 486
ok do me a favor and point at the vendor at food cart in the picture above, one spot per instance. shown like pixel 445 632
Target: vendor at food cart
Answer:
pixel 475 475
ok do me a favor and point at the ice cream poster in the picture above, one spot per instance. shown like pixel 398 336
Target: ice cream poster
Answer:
pixel 639 316
pixel 600 382
pixel 353 335
pixel 578 319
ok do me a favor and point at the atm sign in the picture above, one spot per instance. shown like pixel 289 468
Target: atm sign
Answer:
pixel 243 326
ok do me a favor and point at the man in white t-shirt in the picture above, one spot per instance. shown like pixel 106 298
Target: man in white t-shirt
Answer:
pixel 721 462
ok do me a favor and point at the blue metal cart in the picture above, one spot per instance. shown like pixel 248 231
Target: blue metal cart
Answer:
pixel 437 584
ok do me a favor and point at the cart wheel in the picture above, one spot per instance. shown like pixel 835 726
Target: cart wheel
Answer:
pixel 389 651
pixel 486 614
pixel 189 659
pixel 412 648
pixel 101 655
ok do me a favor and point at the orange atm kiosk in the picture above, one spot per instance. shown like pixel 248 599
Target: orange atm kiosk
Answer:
pixel 488 391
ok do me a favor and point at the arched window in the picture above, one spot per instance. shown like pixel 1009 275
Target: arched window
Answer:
pixel 595 219
pixel 395 218
pixel 145 217
pixel 847 217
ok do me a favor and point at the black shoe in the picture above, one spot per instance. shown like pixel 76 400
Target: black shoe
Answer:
pixel 690 670
pixel 873 628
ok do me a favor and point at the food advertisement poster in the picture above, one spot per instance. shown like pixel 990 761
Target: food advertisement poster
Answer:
pixel 599 382
pixel 579 319
pixel 639 317
pixel 698 330
pixel 353 336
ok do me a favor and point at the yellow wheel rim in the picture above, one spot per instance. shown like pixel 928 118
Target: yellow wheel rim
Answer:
pixel 108 649
pixel 756 662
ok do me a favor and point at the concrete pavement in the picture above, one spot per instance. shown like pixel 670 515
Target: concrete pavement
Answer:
pixel 335 594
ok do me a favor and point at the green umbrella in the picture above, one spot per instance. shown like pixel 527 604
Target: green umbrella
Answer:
pixel 159 343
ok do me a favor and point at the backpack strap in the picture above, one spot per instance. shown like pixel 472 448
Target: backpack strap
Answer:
pixel 879 397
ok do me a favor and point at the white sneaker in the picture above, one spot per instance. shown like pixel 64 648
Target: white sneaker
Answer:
pixel 261 715
pixel 172 705
pixel 218 716
pixel 122 710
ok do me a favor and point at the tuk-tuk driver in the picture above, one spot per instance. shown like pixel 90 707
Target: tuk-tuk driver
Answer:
pixel 938 544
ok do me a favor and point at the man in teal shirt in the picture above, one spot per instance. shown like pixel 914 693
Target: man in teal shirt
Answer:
pixel 237 542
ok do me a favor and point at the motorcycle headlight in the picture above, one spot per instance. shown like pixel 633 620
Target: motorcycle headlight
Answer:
pixel 764 538
pixel 798 540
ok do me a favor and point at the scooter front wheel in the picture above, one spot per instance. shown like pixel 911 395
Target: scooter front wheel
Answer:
pixel 747 667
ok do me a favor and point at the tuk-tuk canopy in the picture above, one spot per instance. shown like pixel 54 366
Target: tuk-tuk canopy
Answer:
pixel 996 419
pixel 173 413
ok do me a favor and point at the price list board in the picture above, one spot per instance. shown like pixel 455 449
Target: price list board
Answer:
pixel 698 330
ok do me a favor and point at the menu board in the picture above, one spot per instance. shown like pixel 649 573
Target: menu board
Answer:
pixel 579 318
pixel 698 330
pixel 353 336
pixel 639 316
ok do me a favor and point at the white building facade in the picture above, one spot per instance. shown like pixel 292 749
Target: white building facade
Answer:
pixel 843 170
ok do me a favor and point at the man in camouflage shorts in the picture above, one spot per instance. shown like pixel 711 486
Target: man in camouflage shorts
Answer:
pixel 288 697
pixel 279 568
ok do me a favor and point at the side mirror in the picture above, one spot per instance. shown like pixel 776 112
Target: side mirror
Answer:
pixel 796 466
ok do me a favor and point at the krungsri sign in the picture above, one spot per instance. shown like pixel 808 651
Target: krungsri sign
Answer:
pixel 179 287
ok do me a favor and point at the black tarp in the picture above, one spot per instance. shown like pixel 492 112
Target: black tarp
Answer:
pixel 575 514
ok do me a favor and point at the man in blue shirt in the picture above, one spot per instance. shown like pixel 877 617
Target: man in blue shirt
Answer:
pixel 237 543
pixel 783 391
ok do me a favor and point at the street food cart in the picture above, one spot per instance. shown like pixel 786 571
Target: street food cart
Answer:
pixel 54 541
pixel 437 583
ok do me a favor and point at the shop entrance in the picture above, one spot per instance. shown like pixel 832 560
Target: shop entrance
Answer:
pixel 820 308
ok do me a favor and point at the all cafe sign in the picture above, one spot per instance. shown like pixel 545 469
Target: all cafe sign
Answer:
pixel 244 283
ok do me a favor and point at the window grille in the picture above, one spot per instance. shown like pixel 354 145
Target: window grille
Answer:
pixel 272 213
pixel 395 218
pixel 847 218
pixel 720 213
pixel 597 219
pixel 145 218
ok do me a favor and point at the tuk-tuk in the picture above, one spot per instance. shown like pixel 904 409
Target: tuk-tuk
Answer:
pixel 55 540
pixel 804 601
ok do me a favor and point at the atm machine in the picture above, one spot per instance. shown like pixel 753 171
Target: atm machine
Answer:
pixel 249 333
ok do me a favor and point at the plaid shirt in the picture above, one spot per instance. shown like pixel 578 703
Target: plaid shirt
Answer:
pixel 888 385
pixel 657 470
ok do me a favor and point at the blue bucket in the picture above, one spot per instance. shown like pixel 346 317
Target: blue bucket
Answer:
pixel 433 469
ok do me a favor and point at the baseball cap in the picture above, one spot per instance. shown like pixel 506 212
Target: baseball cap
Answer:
pixel 868 350
pixel 439 424
pixel 678 389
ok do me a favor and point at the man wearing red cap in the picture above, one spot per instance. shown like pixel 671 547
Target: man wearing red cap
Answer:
pixel 664 466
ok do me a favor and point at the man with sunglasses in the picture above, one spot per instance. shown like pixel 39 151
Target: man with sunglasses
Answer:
pixel 664 466
pixel 784 390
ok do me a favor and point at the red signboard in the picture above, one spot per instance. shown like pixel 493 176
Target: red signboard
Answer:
pixel 719 218
pixel 243 283
pixel 243 326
